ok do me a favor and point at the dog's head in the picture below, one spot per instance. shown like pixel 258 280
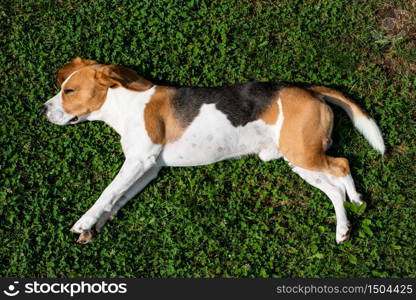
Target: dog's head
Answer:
pixel 84 86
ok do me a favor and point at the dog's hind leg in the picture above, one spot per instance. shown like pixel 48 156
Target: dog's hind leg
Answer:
pixel 304 137
pixel 354 196
pixel 335 189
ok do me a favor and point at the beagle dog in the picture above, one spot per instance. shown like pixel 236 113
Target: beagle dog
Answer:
pixel 190 126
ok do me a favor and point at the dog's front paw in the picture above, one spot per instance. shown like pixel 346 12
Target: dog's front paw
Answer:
pixel 84 224
pixel 87 236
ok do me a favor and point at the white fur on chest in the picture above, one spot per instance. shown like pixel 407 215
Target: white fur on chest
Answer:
pixel 123 110
pixel 211 137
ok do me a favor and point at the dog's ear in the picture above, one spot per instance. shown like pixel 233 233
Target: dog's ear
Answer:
pixel 76 64
pixel 115 76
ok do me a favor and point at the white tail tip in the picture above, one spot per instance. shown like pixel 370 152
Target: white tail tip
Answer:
pixel 371 132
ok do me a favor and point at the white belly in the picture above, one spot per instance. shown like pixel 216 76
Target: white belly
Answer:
pixel 211 138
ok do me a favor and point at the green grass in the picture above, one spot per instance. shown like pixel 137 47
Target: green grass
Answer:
pixel 240 218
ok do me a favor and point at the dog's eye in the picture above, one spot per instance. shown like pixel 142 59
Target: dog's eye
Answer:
pixel 67 91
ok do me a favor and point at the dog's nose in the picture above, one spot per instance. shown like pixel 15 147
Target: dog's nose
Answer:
pixel 43 109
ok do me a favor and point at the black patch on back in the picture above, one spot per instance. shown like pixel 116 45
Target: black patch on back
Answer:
pixel 241 103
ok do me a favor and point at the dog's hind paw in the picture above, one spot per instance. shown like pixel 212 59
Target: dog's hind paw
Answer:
pixel 343 233
pixel 357 199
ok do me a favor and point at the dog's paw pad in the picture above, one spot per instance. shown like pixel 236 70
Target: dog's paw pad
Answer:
pixel 86 236
pixel 343 234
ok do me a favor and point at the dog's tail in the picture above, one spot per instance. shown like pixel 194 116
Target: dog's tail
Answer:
pixel 363 122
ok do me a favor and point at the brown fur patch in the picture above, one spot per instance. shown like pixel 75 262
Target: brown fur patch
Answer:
pixel 340 99
pixel 76 64
pixel 307 124
pixel 116 76
pixel 91 82
pixel 161 122
pixel 87 95
pixel 338 166
pixel 270 115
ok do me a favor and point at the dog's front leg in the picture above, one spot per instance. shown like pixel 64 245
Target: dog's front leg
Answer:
pixel 133 168
pixel 132 191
